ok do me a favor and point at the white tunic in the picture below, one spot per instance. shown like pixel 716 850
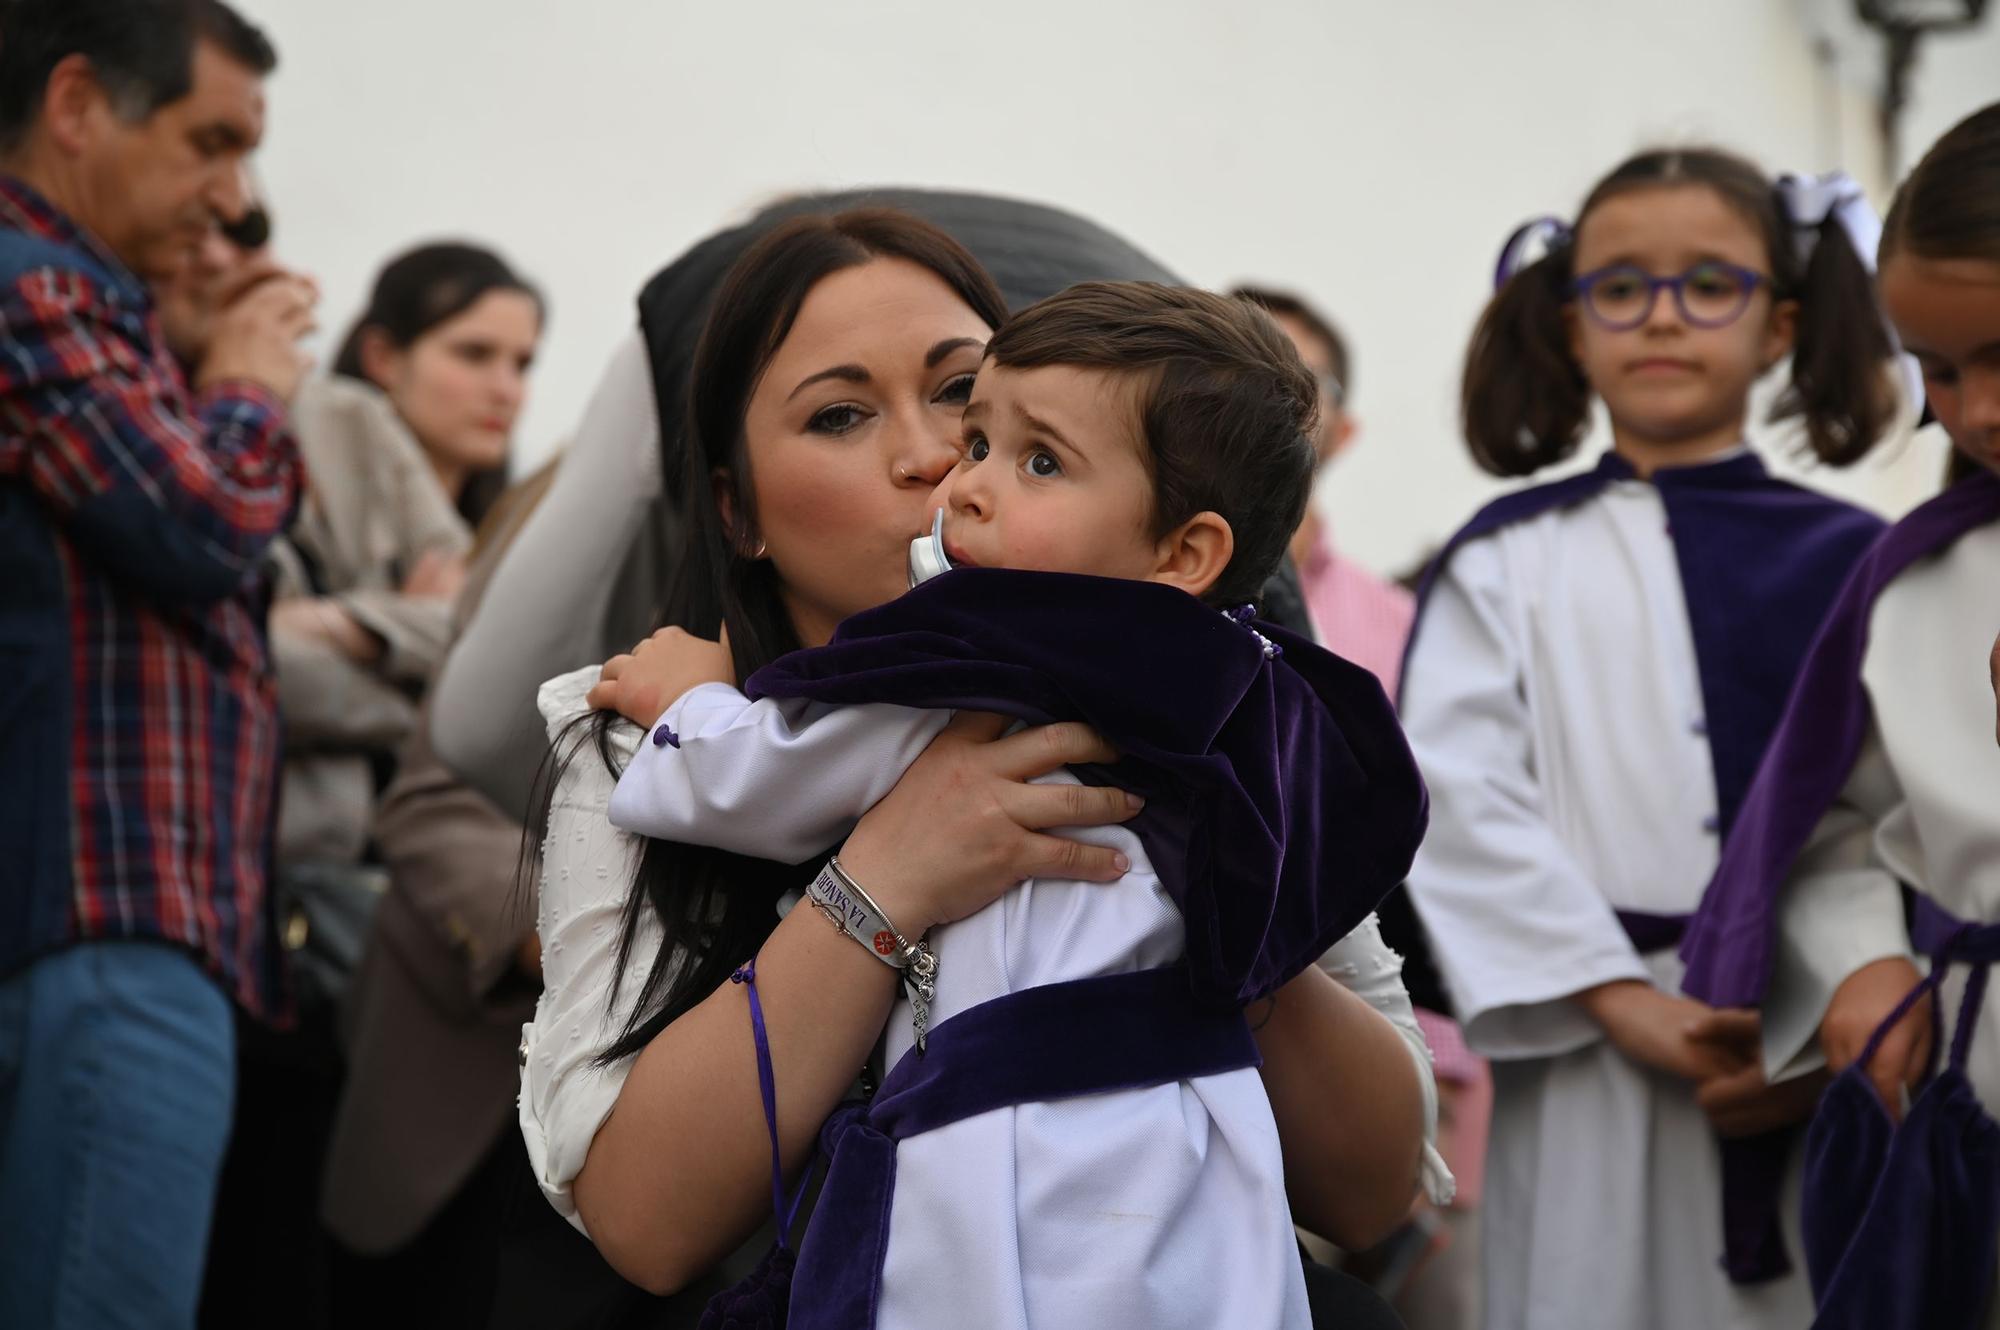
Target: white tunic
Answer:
pixel 1920 806
pixel 1162 1207
pixel 1556 711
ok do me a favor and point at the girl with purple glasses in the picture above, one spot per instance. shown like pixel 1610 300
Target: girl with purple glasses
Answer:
pixel 1597 665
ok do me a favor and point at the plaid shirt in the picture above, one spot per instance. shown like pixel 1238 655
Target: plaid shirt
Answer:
pixel 139 755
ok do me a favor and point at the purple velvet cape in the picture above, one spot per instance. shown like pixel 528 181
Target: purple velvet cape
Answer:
pixel 1760 561
pixel 1731 943
pixel 1282 799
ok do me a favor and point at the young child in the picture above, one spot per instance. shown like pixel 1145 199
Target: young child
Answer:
pixel 1885 776
pixel 1597 665
pixel 1135 460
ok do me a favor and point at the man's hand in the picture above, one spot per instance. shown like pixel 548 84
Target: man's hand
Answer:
pixel 265 311
pixel 642 685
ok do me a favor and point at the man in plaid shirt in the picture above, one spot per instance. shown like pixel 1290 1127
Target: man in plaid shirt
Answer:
pixel 138 728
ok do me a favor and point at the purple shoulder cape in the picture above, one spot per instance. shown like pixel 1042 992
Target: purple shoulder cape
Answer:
pixel 1282 799
pixel 1760 561
pixel 1731 943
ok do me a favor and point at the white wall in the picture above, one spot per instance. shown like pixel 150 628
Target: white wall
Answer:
pixel 1372 155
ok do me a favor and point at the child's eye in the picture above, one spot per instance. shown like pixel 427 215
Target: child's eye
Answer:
pixel 1710 280
pixel 976 448
pixel 959 390
pixel 1939 374
pixel 1043 465
pixel 835 419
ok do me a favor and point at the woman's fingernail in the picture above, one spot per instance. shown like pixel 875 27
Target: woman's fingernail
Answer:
pixel 1133 801
pixel 1122 863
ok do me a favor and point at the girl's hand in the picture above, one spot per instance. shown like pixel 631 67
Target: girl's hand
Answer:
pixel 1662 1030
pixel 963 825
pixel 641 686
pixel 1743 1103
pixel 1860 1005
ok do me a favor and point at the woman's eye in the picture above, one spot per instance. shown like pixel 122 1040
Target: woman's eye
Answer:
pixel 1044 466
pixel 834 419
pixel 959 390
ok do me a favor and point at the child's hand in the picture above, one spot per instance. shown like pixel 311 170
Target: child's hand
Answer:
pixel 1861 1003
pixel 642 685
pixel 1659 1030
pixel 1743 1103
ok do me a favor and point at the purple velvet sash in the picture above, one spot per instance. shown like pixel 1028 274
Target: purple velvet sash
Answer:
pixel 1282 802
pixel 1733 939
pixel 1059 1041
pixel 1902 1224
pixel 1753 1167
pixel 1760 560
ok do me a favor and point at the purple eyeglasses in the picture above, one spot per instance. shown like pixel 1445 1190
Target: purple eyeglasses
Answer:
pixel 1712 294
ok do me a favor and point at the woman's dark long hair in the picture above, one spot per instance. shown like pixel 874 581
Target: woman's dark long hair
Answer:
pixel 716 908
pixel 414 293
pixel 1525 399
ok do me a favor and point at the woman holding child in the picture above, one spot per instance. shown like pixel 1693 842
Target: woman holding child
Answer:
pixel 825 412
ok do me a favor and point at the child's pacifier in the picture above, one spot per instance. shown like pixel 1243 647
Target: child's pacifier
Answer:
pixel 927 556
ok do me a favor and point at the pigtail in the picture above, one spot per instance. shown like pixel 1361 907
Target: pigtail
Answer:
pixel 1842 381
pixel 1525 401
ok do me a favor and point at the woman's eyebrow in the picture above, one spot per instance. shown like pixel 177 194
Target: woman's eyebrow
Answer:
pixel 949 345
pixel 845 373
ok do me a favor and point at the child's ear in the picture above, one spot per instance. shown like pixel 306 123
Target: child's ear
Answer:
pixel 1573 331
pixel 1193 555
pixel 1780 332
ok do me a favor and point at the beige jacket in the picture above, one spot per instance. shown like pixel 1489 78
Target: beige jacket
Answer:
pixel 373 507
pixel 433 1018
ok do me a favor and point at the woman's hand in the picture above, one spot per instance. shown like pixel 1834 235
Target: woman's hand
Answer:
pixel 654 675
pixel 321 619
pixel 963 824
pixel 1859 1006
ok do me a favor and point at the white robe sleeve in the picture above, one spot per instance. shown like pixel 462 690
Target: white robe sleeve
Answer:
pixel 544 609
pixel 1369 968
pixel 778 779
pixel 1841 909
pixel 1517 927
pixel 586 876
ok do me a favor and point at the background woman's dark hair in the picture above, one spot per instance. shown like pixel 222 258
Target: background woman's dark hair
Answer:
pixel 1526 401
pixel 1295 307
pixel 717 906
pixel 416 292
